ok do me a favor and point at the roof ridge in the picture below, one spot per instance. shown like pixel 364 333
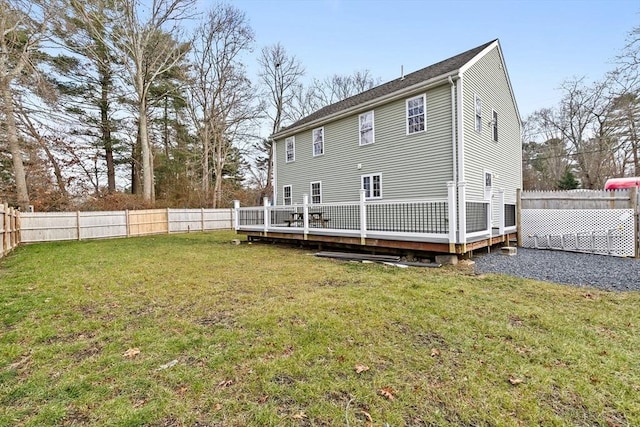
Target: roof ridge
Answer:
pixel 434 70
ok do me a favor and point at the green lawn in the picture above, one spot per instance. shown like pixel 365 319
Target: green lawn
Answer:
pixel 264 335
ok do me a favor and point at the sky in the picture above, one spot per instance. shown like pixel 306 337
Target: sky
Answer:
pixel 544 42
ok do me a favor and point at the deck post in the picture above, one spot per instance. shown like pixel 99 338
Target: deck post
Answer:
pixel 500 197
pixel 236 215
pixel 462 213
pixel 363 217
pixel 518 216
pixel 305 215
pixel 451 219
pixel 266 214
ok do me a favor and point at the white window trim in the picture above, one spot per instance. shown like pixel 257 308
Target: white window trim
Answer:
pixel 286 149
pixel 494 125
pixel 477 118
pixel 488 189
pixel 370 176
pixel 313 142
pixel 373 128
pixel 311 191
pixel 284 195
pixel 424 113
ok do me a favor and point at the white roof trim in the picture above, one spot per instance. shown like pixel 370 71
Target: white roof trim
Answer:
pixel 474 60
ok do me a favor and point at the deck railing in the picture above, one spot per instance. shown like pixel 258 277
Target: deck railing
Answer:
pixel 433 220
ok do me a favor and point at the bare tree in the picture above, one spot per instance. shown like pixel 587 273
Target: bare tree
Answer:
pixel 581 120
pixel 338 87
pixel 150 42
pixel 23 28
pixel 280 75
pixel 222 100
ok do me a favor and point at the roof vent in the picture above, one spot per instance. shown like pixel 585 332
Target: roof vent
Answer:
pixel 402 72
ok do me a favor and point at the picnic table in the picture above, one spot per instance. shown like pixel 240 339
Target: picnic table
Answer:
pixel 316 219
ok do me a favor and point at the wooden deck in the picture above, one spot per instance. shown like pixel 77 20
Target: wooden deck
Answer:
pixel 376 245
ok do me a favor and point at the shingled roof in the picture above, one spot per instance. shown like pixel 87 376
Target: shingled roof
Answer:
pixel 435 70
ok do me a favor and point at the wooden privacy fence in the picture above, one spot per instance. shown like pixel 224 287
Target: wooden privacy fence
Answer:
pixel 9 229
pixel 55 226
pixel 596 221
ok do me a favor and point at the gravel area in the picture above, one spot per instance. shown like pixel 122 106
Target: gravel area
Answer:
pixel 577 269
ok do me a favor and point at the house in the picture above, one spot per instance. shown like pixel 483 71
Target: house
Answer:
pixel 432 157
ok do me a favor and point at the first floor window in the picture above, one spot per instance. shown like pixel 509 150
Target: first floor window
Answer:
pixel 318 141
pixel 494 125
pixel 286 195
pixel 290 149
pixel 478 109
pixel 416 114
pixel 316 192
pixel 372 186
pixel 366 128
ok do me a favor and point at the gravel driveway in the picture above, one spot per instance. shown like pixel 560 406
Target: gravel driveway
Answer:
pixel 576 269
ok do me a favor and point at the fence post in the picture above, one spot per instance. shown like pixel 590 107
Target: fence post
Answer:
pixel 305 215
pixel 363 217
pixel 18 225
pixel 451 218
pixel 78 223
pixel 202 218
pixel 519 216
pixel 265 203
pixel 127 222
pixel 462 214
pixel 14 228
pixel 235 218
pixel 3 208
pixel 633 196
pixel 500 197
pixel 168 221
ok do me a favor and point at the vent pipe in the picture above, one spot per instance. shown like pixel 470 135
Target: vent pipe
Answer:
pixel 402 72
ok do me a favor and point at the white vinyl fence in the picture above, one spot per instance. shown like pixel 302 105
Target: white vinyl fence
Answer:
pixel 55 226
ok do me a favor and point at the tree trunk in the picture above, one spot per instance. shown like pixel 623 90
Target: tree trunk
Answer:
pixel 105 125
pixel 136 160
pixel 14 148
pixel 145 151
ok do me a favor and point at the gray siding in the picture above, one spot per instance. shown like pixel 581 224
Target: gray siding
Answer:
pixel 489 80
pixel 412 166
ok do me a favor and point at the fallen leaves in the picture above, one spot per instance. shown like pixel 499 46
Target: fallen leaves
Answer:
pixel 515 381
pixel 131 353
pixel 387 392
pixel 435 352
pixel 361 368
pixel 225 383
pixel 299 416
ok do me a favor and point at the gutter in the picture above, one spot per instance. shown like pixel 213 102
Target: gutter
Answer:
pixel 425 85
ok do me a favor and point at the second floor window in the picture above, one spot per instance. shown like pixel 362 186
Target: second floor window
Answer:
pixel 478 110
pixel 290 149
pixel 318 141
pixel 316 192
pixel 366 128
pixel 494 125
pixel 416 114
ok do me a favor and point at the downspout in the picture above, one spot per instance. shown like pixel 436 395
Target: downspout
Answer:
pixel 453 129
pixel 462 205
pixel 453 214
pixel 460 139
pixel 275 175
